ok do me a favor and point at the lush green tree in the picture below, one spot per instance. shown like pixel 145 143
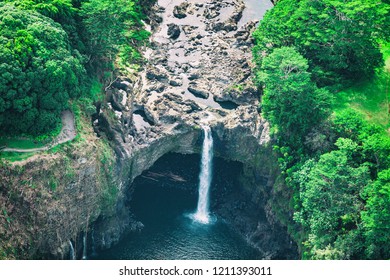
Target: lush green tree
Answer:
pixel 291 101
pixel 39 71
pixel 340 198
pixel 338 37
pixel 114 26
pixel 55 9
pixel 376 217
pixel 330 201
pixel 65 12
pixel 373 144
pixel 342 213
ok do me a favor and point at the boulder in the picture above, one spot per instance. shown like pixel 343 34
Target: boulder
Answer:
pixel 180 11
pixel 198 92
pixel 173 31
pixel 176 83
pixel 156 74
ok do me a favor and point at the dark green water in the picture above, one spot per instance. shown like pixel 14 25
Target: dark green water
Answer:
pixel 170 233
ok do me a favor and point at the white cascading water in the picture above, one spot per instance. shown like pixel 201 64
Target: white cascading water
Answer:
pixel 85 246
pixel 71 251
pixel 202 213
pixel 93 242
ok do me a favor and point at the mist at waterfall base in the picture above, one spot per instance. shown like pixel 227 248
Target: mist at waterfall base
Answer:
pixel 164 199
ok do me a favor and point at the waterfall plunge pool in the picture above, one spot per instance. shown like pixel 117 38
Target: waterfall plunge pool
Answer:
pixel 164 198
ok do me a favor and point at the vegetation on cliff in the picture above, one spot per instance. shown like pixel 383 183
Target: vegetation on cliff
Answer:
pixel 48 63
pixel 49 199
pixel 334 154
pixel 51 51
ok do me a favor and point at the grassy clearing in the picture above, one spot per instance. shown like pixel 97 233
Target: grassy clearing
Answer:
pixel 12 156
pixel 371 98
pixel 26 142
pixel 18 143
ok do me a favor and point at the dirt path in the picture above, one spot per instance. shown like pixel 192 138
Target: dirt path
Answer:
pixel 68 133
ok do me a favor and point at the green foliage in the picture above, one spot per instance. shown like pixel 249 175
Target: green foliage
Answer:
pixel 20 143
pixel 291 101
pixel 338 37
pixel 337 168
pixel 342 199
pixel 40 72
pixel 373 143
pixel 371 97
pixel 330 202
pixel 96 91
pixel 13 156
pixel 51 8
pixel 61 11
pixel 376 217
pixel 40 63
pixel 53 184
pixel 114 26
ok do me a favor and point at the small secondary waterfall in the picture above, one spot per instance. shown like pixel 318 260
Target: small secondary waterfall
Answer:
pixel 93 242
pixel 84 246
pixel 205 176
pixel 71 251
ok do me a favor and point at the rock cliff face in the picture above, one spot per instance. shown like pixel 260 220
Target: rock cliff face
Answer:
pixel 52 198
pixel 199 73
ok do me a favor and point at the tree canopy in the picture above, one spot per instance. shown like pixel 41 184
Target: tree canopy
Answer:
pixel 114 26
pixel 335 166
pixel 343 200
pixel 291 101
pixel 339 38
pixel 331 204
pixel 39 71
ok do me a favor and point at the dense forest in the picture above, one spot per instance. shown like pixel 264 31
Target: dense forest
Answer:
pixel 54 51
pixel 335 162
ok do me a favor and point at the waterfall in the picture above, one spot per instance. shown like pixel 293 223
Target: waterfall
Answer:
pixel 205 176
pixel 93 242
pixel 71 251
pixel 84 246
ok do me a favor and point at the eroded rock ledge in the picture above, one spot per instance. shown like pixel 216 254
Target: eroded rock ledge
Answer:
pixel 198 74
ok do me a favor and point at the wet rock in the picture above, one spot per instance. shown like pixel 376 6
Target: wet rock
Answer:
pixel 181 10
pixel 244 36
pixel 173 31
pixel 188 29
pixel 155 88
pixel 193 76
pixel 225 26
pixel 123 85
pixel 156 74
pixel 116 98
pixel 210 13
pixel 241 96
pixel 198 90
pixel 176 83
